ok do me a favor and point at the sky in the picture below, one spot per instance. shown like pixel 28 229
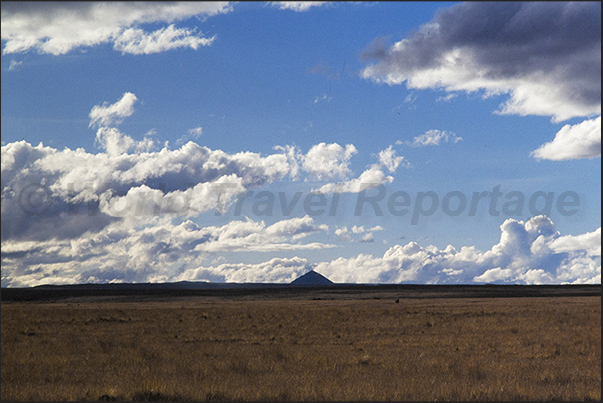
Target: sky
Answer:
pixel 373 142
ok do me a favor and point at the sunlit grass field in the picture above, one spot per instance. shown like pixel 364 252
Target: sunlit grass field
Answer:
pixel 199 348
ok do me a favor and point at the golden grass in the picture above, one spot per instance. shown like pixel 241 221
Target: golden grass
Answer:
pixel 284 349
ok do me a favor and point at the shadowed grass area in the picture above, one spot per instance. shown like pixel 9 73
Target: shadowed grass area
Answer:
pixel 302 349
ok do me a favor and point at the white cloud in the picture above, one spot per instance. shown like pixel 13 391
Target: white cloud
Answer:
pixel 83 189
pixel 496 274
pixel 157 252
pixel 142 202
pixel 360 229
pixel 434 138
pixel 325 161
pixel 249 236
pixel 370 178
pixel 590 243
pixel 137 42
pixel 582 140
pixel 368 237
pixel 344 234
pixel 531 253
pixel 60 27
pixel 357 229
pixel 332 161
pixel 196 132
pixel 298 6
pixel 109 115
pixel 113 141
pixel 273 271
pixel 388 159
pixel 294 159
pixel 131 180
pixel 295 227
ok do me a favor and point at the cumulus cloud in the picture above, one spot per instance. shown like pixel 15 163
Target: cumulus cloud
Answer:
pixel 295 227
pixel 75 216
pixel 368 237
pixel 247 236
pixel 298 6
pixel 276 270
pixel 157 252
pixel 390 160
pixel 60 27
pixel 328 160
pixel 590 243
pixel 531 252
pixel 294 159
pixel 582 140
pixel 324 162
pixel 545 55
pixel 493 275
pixel 111 139
pixel 80 187
pixel 50 193
pixel 108 115
pixel 343 233
pixel 370 178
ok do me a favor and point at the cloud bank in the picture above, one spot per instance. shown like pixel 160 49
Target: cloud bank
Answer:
pixel 530 252
pixel 125 213
pixel 160 252
pixel 49 193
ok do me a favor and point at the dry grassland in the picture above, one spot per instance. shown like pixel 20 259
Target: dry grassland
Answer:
pixel 296 349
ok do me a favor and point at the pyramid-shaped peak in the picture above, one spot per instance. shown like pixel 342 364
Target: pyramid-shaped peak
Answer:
pixel 312 278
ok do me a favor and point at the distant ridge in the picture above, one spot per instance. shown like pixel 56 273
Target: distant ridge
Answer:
pixel 151 291
pixel 312 278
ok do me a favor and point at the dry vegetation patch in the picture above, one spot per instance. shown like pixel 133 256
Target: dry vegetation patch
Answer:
pixel 212 349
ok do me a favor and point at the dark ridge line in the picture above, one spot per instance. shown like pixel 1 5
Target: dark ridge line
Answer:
pixel 273 290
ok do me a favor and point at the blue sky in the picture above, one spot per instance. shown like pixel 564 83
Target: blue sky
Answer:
pixel 389 96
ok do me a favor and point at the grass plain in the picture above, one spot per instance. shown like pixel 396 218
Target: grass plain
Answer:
pixel 307 347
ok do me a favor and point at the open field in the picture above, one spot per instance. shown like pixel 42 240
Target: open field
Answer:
pixel 309 345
